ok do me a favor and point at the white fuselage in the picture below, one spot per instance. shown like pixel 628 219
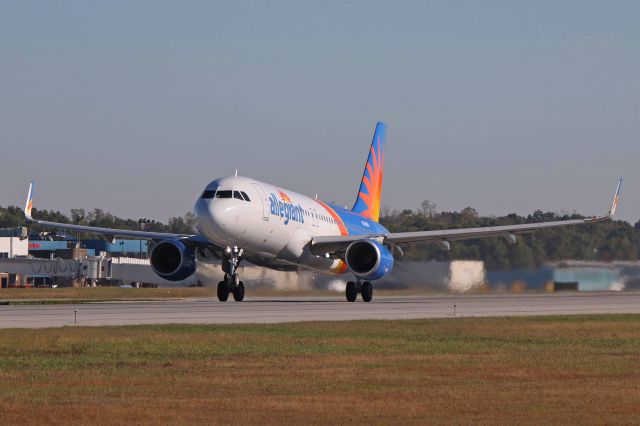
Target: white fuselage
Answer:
pixel 274 228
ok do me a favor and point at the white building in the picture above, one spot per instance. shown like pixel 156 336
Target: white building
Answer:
pixel 11 244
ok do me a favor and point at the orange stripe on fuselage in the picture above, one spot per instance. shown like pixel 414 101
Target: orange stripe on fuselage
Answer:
pixel 342 266
pixel 334 215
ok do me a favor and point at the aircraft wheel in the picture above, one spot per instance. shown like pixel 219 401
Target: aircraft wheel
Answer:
pixel 223 291
pixel 352 291
pixel 238 292
pixel 367 291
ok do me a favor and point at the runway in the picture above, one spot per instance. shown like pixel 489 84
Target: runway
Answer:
pixel 294 309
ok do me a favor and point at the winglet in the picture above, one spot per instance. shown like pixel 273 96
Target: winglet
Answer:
pixel 614 204
pixel 29 205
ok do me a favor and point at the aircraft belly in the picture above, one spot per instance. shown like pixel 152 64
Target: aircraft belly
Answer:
pixel 288 249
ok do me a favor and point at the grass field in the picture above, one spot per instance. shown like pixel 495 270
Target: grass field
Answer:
pixel 553 370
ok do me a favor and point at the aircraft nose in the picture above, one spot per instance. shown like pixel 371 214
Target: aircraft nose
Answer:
pixel 212 222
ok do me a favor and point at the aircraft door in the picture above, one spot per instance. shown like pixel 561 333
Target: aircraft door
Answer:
pixel 264 200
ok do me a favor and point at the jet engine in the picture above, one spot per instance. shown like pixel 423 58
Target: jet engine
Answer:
pixel 172 260
pixel 368 259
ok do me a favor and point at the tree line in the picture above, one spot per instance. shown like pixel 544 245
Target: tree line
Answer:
pixel 604 241
pixel 14 216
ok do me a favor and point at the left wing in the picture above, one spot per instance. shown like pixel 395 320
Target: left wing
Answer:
pixel 329 244
pixel 110 233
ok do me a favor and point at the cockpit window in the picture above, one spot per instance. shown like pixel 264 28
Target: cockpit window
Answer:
pixel 239 195
pixel 209 194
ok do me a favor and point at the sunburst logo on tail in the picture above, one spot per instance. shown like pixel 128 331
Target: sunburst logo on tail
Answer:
pixel 369 195
pixel 29 204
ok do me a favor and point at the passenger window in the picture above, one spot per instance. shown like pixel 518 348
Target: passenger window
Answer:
pixel 208 194
pixel 237 195
pixel 223 194
pixel 244 194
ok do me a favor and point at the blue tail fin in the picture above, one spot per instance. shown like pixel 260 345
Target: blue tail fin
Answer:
pixel 368 201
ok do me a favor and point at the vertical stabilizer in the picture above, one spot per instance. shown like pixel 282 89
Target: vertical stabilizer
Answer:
pixel 29 204
pixel 368 201
pixel 616 198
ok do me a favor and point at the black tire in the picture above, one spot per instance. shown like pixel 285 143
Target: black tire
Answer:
pixel 238 292
pixel 223 291
pixel 351 291
pixel 366 291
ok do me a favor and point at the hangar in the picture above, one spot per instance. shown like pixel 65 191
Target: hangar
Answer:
pixel 12 244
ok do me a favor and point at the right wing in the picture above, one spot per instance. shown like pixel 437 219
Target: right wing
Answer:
pixel 110 233
pixel 336 245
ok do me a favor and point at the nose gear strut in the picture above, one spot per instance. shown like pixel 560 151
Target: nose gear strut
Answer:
pixel 231 284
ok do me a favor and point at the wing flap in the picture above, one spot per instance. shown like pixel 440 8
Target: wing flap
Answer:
pixel 473 233
pixel 507 231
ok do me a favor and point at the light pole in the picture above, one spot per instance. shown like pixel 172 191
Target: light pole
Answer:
pixel 143 227
pixel 77 221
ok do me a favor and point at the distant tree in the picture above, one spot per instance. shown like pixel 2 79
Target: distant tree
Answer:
pixel 11 217
pixel 428 209
pixel 78 215
pixel 182 225
pixel 469 212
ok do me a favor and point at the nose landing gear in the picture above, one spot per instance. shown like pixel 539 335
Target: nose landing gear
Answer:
pixel 365 289
pixel 231 282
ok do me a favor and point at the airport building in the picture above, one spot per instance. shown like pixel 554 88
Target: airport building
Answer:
pixel 12 245
pixel 72 249
pixel 48 259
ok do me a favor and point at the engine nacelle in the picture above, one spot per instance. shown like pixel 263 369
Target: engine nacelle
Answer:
pixel 172 260
pixel 368 259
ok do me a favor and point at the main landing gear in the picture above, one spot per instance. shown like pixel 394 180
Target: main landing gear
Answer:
pixel 231 283
pixel 365 289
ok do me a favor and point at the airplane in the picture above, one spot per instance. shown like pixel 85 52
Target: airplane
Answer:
pixel 240 218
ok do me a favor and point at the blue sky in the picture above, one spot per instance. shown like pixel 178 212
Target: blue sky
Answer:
pixel 133 106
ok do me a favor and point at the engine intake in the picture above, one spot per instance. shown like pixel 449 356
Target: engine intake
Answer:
pixel 368 259
pixel 172 260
